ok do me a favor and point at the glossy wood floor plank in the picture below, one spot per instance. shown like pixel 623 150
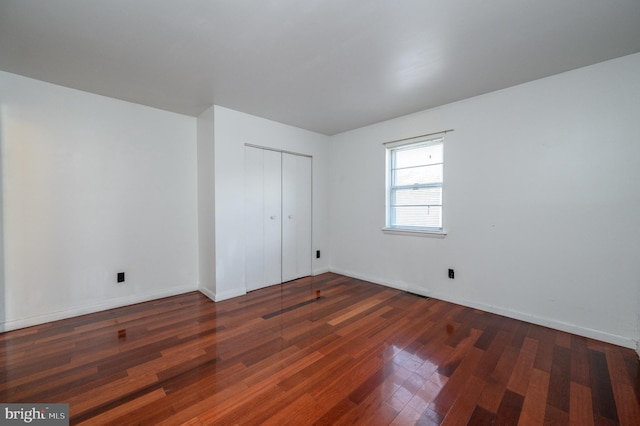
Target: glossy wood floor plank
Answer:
pixel 325 350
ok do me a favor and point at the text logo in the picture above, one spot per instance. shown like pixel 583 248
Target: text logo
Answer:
pixel 37 414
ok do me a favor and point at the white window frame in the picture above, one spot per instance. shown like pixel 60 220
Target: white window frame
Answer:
pixel 438 232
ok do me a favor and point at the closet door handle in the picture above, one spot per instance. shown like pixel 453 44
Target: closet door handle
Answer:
pixel 290 216
pixel 272 218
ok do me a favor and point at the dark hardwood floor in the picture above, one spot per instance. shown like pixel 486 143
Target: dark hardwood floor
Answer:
pixel 321 350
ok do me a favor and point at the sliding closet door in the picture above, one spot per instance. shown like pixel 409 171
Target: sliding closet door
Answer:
pixel 296 216
pixel 263 221
pixel 272 218
pixel 277 217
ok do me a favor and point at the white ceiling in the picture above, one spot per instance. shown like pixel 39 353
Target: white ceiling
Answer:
pixel 322 65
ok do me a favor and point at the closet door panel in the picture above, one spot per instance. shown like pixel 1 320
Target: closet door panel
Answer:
pixel 272 200
pixel 303 224
pixel 296 216
pixel 254 218
pixel 289 215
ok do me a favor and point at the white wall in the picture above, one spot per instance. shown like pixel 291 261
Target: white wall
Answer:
pixel 542 203
pixel 232 130
pixel 92 186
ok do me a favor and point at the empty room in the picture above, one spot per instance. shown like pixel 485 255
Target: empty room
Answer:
pixel 246 212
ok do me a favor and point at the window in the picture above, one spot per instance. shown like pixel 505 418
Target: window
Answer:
pixel 414 186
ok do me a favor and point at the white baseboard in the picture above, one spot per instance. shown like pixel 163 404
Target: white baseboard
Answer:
pixel 218 297
pixel 522 316
pixel 211 295
pixel 229 294
pixel 98 307
pixel 319 271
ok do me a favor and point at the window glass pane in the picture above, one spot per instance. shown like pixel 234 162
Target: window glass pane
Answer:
pixel 420 196
pixel 411 157
pixel 426 217
pixel 415 175
pixel 418 175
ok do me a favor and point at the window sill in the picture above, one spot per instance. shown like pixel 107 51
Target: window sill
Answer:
pixel 415 233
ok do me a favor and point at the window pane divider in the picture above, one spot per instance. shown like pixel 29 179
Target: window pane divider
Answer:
pixel 418 166
pixel 417 186
pixel 416 205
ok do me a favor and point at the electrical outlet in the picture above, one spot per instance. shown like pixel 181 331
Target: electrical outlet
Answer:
pixel 317 254
pixel 120 277
pixel 451 274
